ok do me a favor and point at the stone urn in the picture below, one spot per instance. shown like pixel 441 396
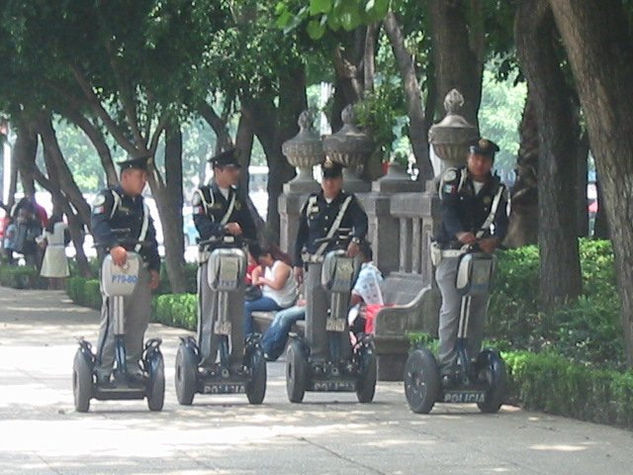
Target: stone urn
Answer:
pixel 452 136
pixel 351 147
pixel 303 151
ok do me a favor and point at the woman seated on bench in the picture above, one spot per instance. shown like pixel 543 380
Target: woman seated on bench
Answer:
pixel 274 276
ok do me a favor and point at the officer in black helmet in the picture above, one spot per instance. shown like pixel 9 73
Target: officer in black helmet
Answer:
pixel 473 210
pixel 119 219
pixel 218 209
pixel 322 215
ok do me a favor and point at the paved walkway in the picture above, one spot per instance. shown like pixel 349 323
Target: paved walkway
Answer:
pixel 328 433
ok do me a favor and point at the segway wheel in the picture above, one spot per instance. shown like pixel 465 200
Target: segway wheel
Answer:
pixel 82 382
pixel 494 370
pixel 295 372
pixel 156 383
pixel 185 377
pixel 421 381
pixel 366 386
pixel 256 387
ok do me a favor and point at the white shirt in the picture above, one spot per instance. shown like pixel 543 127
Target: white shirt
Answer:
pixel 225 192
pixel 368 284
pixel 284 297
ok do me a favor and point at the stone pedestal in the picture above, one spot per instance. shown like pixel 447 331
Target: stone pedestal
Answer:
pixel 383 227
pixel 290 204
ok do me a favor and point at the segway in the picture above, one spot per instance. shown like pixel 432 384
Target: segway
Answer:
pixel 118 282
pixel 340 367
pixel 226 270
pixel 481 380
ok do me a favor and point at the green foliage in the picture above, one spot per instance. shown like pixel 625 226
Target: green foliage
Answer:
pixel 178 310
pixel 587 331
pixel 84 292
pixel 21 277
pixel 551 383
pixel 382 113
pixel 191 270
pixel 502 103
pixel 319 15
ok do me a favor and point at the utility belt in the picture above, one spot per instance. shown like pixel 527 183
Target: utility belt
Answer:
pixel 311 258
pixel 438 253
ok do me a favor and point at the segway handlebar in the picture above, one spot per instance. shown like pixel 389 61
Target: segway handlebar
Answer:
pixel 225 240
pixel 342 236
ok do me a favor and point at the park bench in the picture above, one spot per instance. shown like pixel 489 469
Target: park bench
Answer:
pixel 415 308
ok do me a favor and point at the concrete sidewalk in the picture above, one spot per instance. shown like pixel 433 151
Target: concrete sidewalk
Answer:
pixel 328 433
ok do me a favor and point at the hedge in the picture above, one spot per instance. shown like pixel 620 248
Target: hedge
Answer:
pixel 84 291
pixel 21 277
pixel 553 384
pixel 178 310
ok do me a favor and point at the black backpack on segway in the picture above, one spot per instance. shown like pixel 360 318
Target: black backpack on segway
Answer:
pixel 118 282
pixel 482 380
pixel 226 270
pixel 344 369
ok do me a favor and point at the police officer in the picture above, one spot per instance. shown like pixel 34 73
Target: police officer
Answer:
pixel 322 215
pixel 218 209
pixel 473 210
pixel 119 220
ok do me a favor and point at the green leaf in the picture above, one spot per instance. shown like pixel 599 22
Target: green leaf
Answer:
pixel 316 29
pixel 350 19
pixel 320 6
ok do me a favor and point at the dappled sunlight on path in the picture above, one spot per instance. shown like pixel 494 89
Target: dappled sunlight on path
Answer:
pixel 328 433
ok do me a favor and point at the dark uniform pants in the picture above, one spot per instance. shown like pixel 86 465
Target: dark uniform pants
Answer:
pixel 208 313
pixel 137 310
pixel 449 315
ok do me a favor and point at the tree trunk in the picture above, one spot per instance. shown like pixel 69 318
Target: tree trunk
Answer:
pixel 596 35
pixel 24 153
pixel 95 135
pixel 63 174
pixel 535 32
pixel 273 126
pixel 348 74
pixel 223 138
pixel 523 227
pixel 244 143
pixel 418 125
pixel 169 201
pixel 457 54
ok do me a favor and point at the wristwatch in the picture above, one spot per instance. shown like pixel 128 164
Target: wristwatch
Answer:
pixel 356 240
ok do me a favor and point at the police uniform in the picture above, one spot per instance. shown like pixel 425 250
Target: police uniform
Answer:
pixel 117 218
pixel 465 209
pixel 212 210
pixel 317 218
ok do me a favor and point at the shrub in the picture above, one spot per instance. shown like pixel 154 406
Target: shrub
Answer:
pixel 21 277
pixel 552 383
pixel 587 330
pixel 179 310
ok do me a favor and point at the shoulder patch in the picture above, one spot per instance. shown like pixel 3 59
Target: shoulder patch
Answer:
pixel 450 175
pixel 99 200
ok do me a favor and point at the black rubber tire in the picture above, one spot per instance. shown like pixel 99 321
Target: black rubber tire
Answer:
pixel 495 373
pixel 82 382
pixel 295 372
pixel 421 381
pixel 156 384
pixel 256 387
pixel 366 386
pixel 185 375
